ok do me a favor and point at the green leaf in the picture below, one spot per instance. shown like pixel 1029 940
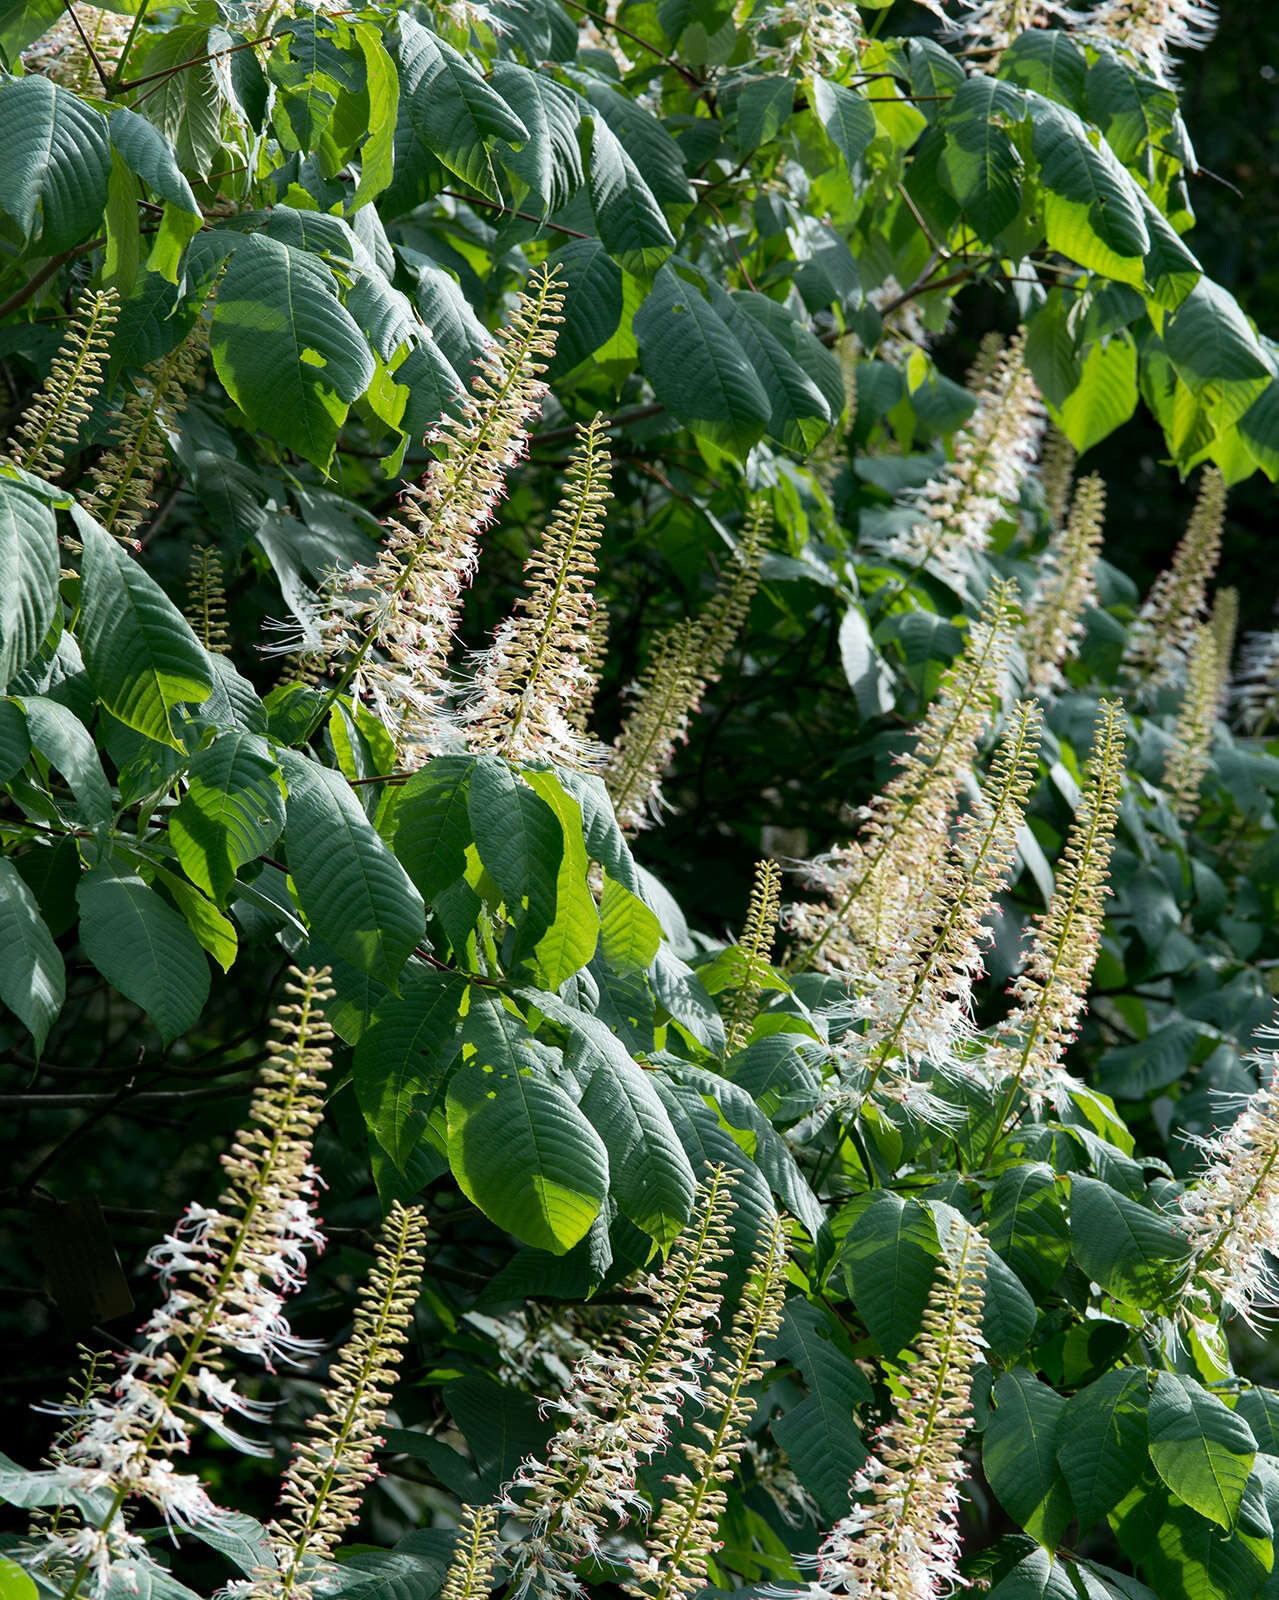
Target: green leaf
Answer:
pixel 801 413
pixel 1101 1442
pixel 550 160
pixel 1009 1314
pixel 15 1583
pixel 1190 1560
pixel 1019 1456
pixel 232 812
pixel 140 944
pixel 28 576
pixel 1134 1254
pixel 818 1434
pixel 1093 210
pixel 215 932
pixel 32 979
pixel 1200 1448
pixel 63 740
pixel 696 366
pixel 138 647
pixel 980 164
pixel 57 162
pixel 15 745
pixel 1209 340
pixel 452 109
pixel 1259 429
pixel 432 824
pixel 649 1175
pixel 149 154
pixel 846 117
pixel 629 932
pixel 593 299
pixel 382 85
pixel 1105 395
pixel 525 1155
pixel 632 226
pixel 184 104
pixel 680 991
pixel 1259 1408
pixel 763 108
pixel 289 353
pixel 866 670
pixel 521 843
pixel 1049 61
pixel 570 941
pixel 889 1256
pixel 354 892
pixel 501 1425
pixel 403 1056
pixel 1037 1577
pixel 1027 1226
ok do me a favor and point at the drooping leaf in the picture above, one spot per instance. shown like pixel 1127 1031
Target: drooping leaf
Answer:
pixel 28 576
pixel 521 843
pixel 819 1434
pixel 889 1256
pixel 232 812
pixel 57 162
pixel 403 1056
pixel 570 941
pixel 432 825
pixel 649 1174
pixel 32 978
pixel 1019 1456
pixel 1101 1441
pixel 1129 1250
pixel 1200 1448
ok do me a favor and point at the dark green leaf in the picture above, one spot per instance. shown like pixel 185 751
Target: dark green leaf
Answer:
pixel 404 1056
pixel 889 1256
pixel 32 978
pixel 57 162
pixel 819 1434
pixel 432 824
pixel 1101 1442
pixel 1135 1254
pixel 521 844
pixel 232 812
pixel 1201 1449
pixel 1019 1456
pixel 28 575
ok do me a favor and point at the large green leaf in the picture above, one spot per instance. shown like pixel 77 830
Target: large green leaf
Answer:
pixel 148 153
pixel 522 1151
pixel 57 162
pixel 521 843
pixel 801 412
pixel 1105 395
pixel 455 113
pixel 593 298
pixel 32 979
pixel 1101 1442
pixel 889 1256
pixel 570 941
pixel 65 743
pixel 1201 1449
pixel 981 165
pixel 550 161
pixel 139 943
pixel 1209 340
pixel 183 99
pixel 28 575
pixel 232 812
pixel 1135 1254
pixel 354 892
pixel 1093 209
pixel 819 1434
pixel 697 367
pixel 846 116
pixel 403 1057
pixel 290 354
pixel 1019 1456
pixel 629 932
pixel 649 1174
pixel 1027 1225
pixel 1259 1408
pixel 138 647
pixel 432 824
pixel 631 224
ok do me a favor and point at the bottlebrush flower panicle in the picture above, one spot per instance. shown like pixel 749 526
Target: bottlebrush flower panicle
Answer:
pixel 663 701
pixel 1254 694
pixel 1056 467
pixel 917 1005
pixel 871 885
pixel 205 609
pixel 530 681
pixel 1067 589
pixel 596 654
pixel 1189 754
pixel 726 611
pixel 226 1272
pixel 682 1540
pixel 470 1572
pixel 756 946
pixel 122 478
pixel 901 1539
pixel 52 421
pixel 333 1465
pixel 1231 1211
pixel 1160 639
pixel 1050 994
pixel 388 628
pixel 993 451
pixel 1224 623
pixel 1151 30
pixel 619 1407
pixel 987 27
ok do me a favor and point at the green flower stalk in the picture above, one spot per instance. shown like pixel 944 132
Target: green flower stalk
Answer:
pixel 901 1539
pixel 324 1486
pixel 1056 467
pixel 619 1406
pixel 663 702
pixel 1189 755
pixel 755 947
pixel 1160 639
pixel 726 611
pixel 1055 618
pixel 470 1574
pixel 1050 994
pixel 530 681
pixel 870 887
pixel 205 609
pixel 683 1538
pixel 51 423
pixel 1224 623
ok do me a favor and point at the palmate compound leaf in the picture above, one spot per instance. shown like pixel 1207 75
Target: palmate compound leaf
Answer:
pixel 1101 1441
pixel 354 892
pixel 523 1152
pixel 287 350
pixel 1201 1449
pixel 137 646
pixel 142 946
pixel 28 575
pixel 232 812
pixel 32 978
pixel 1019 1456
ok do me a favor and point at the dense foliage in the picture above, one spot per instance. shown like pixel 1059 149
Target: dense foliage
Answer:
pixel 533 690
